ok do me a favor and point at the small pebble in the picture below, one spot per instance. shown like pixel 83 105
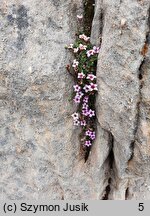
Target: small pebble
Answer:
pixel 123 22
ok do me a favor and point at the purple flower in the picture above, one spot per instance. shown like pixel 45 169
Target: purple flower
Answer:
pixel 93 87
pixel 87 88
pixel 91 113
pixel 85 99
pixel 76 122
pixel 75 116
pixel 88 133
pixel 85 112
pixel 81 75
pixel 89 53
pixel 83 123
pixel 88 143
pixel 77 88
pixel 91 77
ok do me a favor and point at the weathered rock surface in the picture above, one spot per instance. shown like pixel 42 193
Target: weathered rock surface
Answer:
pixel 39 147
pixel 123 102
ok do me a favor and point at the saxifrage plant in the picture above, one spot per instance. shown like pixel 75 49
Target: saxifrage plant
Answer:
pixel 85 88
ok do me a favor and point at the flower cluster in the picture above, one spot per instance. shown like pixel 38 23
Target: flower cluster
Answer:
pixel 85 88
pixel 84 37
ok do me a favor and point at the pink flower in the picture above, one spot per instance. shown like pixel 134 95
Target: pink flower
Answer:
pixel 89 53
pixel 77 88
pixel 83 123
pixel 85 112
pixel 96 49
pixel 75 116
pixel 76 122
pixel 80 17
pixel 88 133
pixel 87 88
pixel 91 113
pixel 79 94
pixel 93 87
pixel 91 77
pixel 81 75
pixel 84 106
pixel 84 37
pixel 82 47
pixel 77 99
pixel 92 135
pixel 88 143
pixel 85 99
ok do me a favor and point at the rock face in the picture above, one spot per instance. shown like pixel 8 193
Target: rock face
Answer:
pixel 39 146
pixel 123 102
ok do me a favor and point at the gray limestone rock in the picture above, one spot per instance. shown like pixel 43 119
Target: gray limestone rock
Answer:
pixel 123 106
pixel 40 152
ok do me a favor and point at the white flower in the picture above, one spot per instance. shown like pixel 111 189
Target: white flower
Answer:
pixel 75 63
pixel 70 46
pixel 75 50
pixel 76 122
pixel 80 17
pixel 75 116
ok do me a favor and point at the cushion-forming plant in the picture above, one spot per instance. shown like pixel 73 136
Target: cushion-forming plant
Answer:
pixel 83 69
